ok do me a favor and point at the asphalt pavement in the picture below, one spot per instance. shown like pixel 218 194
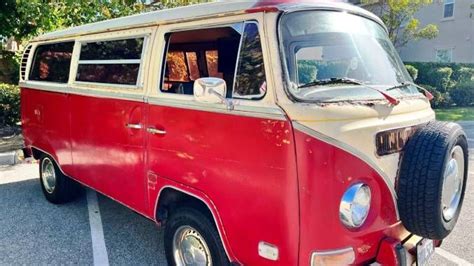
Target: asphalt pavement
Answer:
pixel 33 231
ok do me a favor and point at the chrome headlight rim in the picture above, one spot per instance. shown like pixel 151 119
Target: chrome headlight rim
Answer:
pixel 349 202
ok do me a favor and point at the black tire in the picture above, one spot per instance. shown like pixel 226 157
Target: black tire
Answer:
pixel 65 189
pixel 187 216
pixel 421 178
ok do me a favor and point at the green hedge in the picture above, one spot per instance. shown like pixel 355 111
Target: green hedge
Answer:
pixel 426 68
pixel 463 94
pixel 450 83
pixel 412 71
pixel 9 104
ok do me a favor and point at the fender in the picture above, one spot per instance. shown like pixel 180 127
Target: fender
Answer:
pixel 201 196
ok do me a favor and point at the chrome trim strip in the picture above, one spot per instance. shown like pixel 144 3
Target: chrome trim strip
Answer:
pixel 243 110
pixel 64 88
pixel 221 231
pixel 353 151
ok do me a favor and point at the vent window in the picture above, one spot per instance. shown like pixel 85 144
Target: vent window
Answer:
pixel 24 62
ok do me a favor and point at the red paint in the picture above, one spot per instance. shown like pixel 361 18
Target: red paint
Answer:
pixel 262 9
pixel 387 254
pixel 243 165
pixel 106 154
pixel 243 168
pixel 325 172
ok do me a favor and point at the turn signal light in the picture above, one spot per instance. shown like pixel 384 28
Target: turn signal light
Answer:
pixel 344 256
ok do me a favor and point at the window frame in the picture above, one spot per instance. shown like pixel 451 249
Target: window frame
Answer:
pixel 139 85
pixel 164 52
pixel 450 52
pixel 451 2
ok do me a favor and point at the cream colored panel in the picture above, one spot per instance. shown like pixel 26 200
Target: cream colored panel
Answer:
pixel 355 126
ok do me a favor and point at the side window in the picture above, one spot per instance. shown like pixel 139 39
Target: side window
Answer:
pixel 214 52
pixel 111 62
pixel 200 53
pixel 51 62
pixel 250 82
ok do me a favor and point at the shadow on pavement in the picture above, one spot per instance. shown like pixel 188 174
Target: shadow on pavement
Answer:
pixel 33 231
pixel 129 237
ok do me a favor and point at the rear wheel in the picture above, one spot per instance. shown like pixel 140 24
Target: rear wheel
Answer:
pixel 57 187
pixel 192 239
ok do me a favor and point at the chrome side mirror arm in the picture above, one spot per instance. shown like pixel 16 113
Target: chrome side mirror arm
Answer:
pixel 228 102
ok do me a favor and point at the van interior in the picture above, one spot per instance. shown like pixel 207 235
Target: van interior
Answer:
pixel 200 53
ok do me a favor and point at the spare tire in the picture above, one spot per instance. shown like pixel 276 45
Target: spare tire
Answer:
pixel 432 178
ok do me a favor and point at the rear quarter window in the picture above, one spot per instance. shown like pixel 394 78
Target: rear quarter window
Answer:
pixel 51 62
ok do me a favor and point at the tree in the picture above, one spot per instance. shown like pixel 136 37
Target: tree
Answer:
pixel 399 17
pixel 24 19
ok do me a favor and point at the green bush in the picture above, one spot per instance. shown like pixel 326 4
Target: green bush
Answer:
pixel 441 78
pixel 463 94
pixel 9 104
pixel 412 71
pixel 440 100
pixel 464 74
pixel 425 69
pixel 306 73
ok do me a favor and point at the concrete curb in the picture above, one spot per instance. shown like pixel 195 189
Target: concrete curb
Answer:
pixel 9 158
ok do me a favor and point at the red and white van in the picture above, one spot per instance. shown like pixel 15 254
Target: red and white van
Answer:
pixel 257 133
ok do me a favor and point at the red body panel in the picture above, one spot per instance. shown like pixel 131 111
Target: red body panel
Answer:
pixel 244 166
pixel 325 172
pixel 106 154
pixel 45 121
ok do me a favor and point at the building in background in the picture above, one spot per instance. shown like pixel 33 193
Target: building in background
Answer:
pixel 455 42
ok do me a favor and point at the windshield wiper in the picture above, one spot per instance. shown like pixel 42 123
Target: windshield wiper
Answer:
pixel 392 100
pixel 402 85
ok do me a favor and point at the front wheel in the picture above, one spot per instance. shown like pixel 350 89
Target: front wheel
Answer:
pixel 192 239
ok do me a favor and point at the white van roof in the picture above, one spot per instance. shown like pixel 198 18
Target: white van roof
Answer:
pixel 193 12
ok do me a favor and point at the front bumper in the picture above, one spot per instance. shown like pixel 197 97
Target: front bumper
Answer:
pixel 391 251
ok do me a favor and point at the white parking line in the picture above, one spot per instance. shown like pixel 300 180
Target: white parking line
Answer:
pixel 453 258
pixel 99 249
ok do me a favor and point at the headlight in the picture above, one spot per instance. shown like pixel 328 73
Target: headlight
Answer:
pixel 355 205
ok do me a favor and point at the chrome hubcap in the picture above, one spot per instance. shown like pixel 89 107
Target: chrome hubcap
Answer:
pixel 48 176
pixel 453 183
pixel 190 248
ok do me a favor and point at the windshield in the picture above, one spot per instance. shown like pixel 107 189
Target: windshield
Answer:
pixel 327 45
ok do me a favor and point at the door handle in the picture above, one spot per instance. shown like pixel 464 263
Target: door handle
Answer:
pixel 155 131
pixel 134 126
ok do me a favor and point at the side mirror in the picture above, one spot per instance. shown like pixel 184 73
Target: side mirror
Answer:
pixel 211 90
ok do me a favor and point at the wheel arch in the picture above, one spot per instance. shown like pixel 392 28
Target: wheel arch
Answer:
pixel 171 196
pixel 38 152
